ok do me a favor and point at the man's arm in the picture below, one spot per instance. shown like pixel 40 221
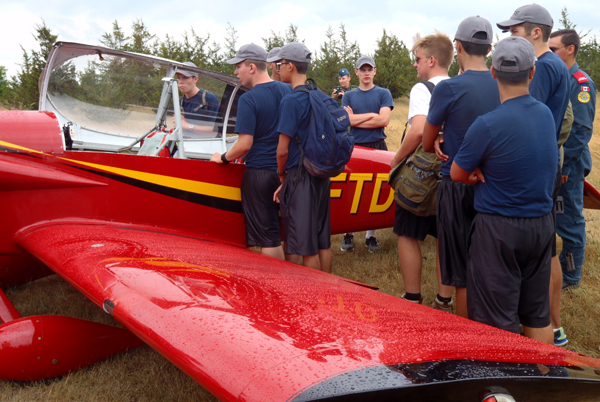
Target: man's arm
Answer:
pixel 356 119
pixel 282 156
pixel 381 119
pixel 411 141
pixel 240 148
pixel 459 174
pixel 430 133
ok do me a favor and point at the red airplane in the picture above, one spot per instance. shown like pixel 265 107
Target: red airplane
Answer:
pixel 158 243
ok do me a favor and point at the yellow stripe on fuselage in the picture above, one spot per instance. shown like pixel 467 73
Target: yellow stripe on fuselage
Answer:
pixel 192 186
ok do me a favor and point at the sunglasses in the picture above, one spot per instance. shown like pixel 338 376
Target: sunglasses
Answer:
pixel 278 65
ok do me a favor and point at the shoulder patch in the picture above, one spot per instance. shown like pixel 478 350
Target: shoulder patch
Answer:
pixel 583 97
pixel 580 77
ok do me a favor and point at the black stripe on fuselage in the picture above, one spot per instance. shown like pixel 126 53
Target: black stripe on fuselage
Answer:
pixel 201 199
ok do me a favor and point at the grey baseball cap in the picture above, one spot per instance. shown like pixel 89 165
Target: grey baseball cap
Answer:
pixel 273 53
pixel 250 51
pixel 475 30
pixel 293 51
pixel 365 60
pixel 533 13
pixel 513 54
pixel 188 73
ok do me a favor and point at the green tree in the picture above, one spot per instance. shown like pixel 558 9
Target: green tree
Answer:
pixel 333 54
pixel 275 40
pixel 23 91
pixel 3 82
pixel 115 40
pixel 394 65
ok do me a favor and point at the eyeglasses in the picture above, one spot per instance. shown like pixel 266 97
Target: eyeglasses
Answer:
pixel 278 65
pixel 554 49
pixel 417 59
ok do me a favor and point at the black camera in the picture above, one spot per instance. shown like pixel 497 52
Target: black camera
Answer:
pixel 339 91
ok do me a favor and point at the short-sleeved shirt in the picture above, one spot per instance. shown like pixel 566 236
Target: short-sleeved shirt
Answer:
pixel 200 107
pixel 550 85
pixel 294 119
pixel 370 101
pixel 420 97
pixel 517 155
pixel 456 103
pixel 258 115
pixel 583 99
pixel 339 99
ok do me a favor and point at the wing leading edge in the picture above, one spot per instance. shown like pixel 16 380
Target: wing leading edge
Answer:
pixel 248 327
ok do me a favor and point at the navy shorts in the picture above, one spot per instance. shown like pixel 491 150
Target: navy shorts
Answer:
pixel 410 225
pixel 379 144
pixel 305 205
pixel 508 273
pixel 261 213
pixel 455 213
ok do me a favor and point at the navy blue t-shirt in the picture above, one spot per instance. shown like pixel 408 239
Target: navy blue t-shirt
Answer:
pixel 456 103
pixel 550 85
pixel 368 102
pixel 195 109
pixel 258 115
pixel 294 118
pixel 517 155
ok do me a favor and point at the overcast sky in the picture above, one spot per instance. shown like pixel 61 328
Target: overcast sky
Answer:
pixel 86 21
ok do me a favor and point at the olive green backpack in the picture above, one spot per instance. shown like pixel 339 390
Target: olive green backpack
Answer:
pixel 415 180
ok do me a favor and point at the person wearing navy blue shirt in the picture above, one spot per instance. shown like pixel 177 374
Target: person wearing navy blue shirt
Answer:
pixel 455 104
pixel 198 106
pixel 304 199
pixel 508 274
pixel 570 225
pixel 257 119
pixel 550 85
pixel 376 103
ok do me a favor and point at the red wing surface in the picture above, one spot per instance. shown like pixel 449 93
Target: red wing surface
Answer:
pixel 251 328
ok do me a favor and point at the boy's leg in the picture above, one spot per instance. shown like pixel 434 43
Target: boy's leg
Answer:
pixel 411 262
pixel 325 259
pixel 545 334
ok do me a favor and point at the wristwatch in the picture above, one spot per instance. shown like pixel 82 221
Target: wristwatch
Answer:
pixel 192 126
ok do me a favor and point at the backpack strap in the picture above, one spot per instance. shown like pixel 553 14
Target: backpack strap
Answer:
pixel 430 85
pixel 202 104
pixel 312 85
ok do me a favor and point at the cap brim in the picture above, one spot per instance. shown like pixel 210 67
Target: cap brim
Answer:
pixel 235 60
pixel 505 25
pixel 274 59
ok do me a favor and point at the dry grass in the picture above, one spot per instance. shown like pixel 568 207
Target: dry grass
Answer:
pixel 144 375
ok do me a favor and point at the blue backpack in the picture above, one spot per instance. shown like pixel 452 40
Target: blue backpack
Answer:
pixel 329 144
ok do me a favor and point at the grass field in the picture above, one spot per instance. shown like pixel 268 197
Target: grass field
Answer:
pixel 144 375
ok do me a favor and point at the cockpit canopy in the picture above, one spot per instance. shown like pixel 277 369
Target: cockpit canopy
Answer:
pixel 106 99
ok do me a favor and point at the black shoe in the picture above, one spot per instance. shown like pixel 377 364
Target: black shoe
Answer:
pixel 348 242
pixel 372 244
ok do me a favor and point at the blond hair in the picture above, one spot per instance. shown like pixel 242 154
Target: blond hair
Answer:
pixel 437 45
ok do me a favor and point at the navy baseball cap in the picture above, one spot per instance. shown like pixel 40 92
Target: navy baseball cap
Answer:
pixel 343 72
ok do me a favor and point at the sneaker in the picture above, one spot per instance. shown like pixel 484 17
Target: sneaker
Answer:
pixel 420 301
pixel 569 286
pixel 372 244
pixel 560 338
pixel 348 242
pixel 442 306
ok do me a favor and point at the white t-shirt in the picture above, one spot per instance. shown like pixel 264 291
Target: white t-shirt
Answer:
pixel 420 97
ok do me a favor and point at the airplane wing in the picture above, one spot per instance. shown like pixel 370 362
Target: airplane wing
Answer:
pixel 251 328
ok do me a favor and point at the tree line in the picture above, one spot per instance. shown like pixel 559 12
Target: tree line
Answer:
pixel 393 57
